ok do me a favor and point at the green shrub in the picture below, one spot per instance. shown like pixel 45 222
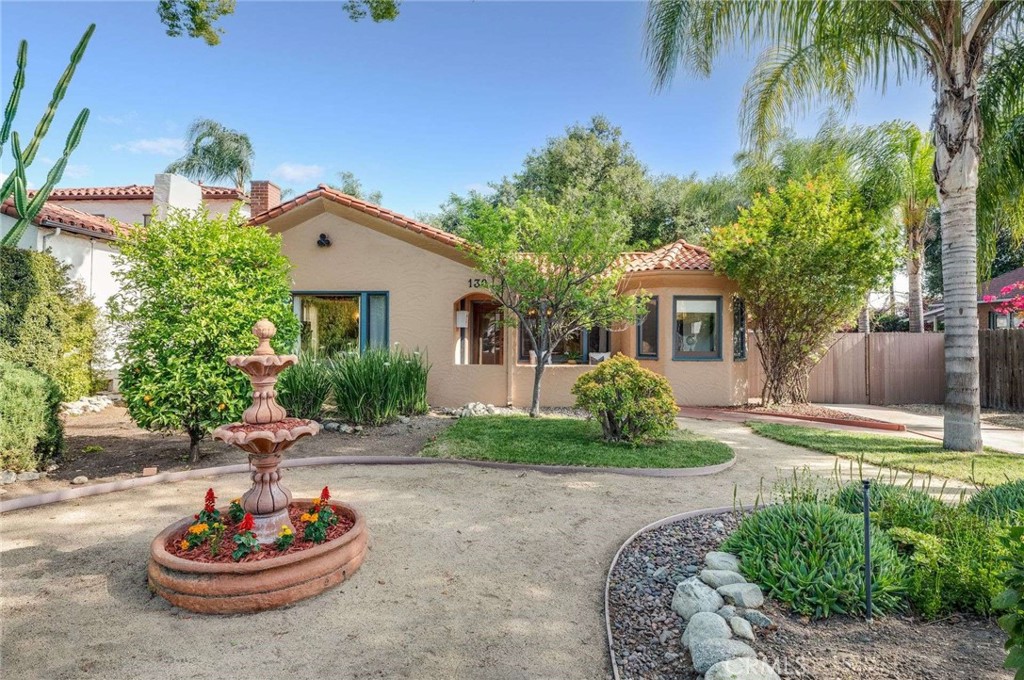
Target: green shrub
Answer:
pixel 31 432
pixel 956 568
pixel 631 403
pixel 811 556
pixel 998 501
pixel 890 505
pixel 46 320
pixel 304 388
pixel 379 385
pixel 1011 599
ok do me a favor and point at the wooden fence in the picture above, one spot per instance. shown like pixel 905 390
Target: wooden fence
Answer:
pixel 906 368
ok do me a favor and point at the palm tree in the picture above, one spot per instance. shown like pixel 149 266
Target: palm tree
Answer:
pixel 215 153
pixel 828 49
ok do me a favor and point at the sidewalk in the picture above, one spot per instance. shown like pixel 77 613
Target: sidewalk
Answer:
pixel 995 436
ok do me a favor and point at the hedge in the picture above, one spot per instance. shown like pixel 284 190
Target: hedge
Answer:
pixel 47 322
pixel 31 432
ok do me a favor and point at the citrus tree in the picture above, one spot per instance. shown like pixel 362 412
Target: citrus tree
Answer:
pixel 191 288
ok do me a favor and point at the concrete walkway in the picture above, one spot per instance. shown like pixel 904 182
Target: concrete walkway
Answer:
pixel 995 436
pixel 473 573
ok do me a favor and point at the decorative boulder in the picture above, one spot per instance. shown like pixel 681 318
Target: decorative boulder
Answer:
pixel 722 561
pixel 716 578
pixel 705 626
pixel 693 596
pixel 741 627
pixel 709 652
pixel 727 612
pixel 741 669
pixel 757 618
pixel 743 594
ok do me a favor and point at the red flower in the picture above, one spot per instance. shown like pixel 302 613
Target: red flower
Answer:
pixel 247 523
pixel 325 496
pixel 211 500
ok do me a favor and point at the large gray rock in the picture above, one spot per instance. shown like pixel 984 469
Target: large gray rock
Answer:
pixel 743 594
pixel 716 578
pixel 8 476
pixel 693 596
pixel 709 652
pixel 727 612
pixel 741 669
pixel 722 561
pixel 705 626
pixel 741 627
pixel 28 476
pixel 757 618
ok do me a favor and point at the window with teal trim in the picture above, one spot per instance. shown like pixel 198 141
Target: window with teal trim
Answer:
pixel 343 322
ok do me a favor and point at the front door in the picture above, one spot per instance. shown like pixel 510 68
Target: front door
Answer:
pixel 487 339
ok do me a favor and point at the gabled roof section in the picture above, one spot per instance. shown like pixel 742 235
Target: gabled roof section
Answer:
pixel 996 285
pixel 327 193
pixel 53 215
pixel 134 192
pixel 677 256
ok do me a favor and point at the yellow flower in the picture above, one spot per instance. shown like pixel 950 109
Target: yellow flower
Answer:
pixel 314 517
pixel 200 528
pixel 316 502
pixel 306 517
pixel 237 501
pixel 183 545
pixel 285 531
pixel 221 406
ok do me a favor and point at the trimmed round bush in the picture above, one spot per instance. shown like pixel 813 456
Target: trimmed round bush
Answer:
pixel 303 389
pixel 631 403
pixel 890 505
pixel 998 501
pixel 811 556
pixel 31 432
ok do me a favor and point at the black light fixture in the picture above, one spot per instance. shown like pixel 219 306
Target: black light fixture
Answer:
pixel 324 241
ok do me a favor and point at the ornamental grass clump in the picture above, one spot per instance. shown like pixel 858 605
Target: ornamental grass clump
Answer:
pixel 631 403
pixel 379 385
pixel 811 556
pixel 998 501
pixel 303 388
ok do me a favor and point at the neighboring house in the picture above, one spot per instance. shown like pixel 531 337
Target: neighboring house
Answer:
pixel 989 296
pixel 364 276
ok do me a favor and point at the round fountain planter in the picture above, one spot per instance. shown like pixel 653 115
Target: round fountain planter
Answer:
pixel 245 587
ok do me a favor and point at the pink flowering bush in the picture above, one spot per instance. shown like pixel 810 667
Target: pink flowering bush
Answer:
pixel 1013 299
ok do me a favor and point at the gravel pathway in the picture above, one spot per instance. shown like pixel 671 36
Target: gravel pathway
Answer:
pixel 473 573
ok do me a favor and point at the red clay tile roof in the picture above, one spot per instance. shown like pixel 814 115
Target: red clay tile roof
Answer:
pixel 58 215
pixel 677 256
pixel 133 192
pixel 335 196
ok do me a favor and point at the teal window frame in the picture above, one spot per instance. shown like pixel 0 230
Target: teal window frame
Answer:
pixel 717 356
pixel 657 339
pixel 364 311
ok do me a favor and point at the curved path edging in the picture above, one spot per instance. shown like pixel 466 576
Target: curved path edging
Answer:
pixel 615 560
pixel 183 475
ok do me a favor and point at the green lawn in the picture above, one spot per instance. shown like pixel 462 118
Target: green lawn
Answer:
pixel 567 441
pixel 923 455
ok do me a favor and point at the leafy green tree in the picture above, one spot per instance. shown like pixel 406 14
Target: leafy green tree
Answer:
pixel 215 153
pixel 803 257
pixel 829 50
pixel 198 18
pixel 351 185
pixel 191 288
pixel 555 268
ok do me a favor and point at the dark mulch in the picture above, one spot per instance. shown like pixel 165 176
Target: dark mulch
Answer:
pixel 800 410
pixel 286 424
pixel 646 632
pixel 202 552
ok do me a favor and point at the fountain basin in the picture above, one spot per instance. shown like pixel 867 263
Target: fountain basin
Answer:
pixel 244 587
pixel 268 438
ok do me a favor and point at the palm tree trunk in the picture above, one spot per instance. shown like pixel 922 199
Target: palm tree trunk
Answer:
pixel 916 306
pixel 957 142
pixel 864 318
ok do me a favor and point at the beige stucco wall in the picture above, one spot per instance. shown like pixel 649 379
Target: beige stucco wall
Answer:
pixel 425 280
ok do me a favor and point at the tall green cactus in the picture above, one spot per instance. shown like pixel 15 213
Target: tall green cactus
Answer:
pixel 15 184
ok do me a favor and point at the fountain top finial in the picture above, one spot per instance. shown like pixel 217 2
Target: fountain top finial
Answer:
pixel 264 329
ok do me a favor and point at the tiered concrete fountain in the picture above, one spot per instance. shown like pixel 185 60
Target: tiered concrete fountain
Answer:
pixel 265 433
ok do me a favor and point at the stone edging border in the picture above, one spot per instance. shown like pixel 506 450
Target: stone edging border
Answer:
pixel 615 560
pixel 183 475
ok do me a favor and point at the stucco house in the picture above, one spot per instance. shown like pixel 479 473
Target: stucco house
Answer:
pixel 989 296
pixel 365 276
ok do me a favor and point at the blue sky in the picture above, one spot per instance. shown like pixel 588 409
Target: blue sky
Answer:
pixel 448 97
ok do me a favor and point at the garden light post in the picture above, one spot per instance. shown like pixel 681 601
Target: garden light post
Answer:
pixel 867 547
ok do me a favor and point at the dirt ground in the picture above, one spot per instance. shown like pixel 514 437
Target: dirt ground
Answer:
pixel 473 574
pixel 106 446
